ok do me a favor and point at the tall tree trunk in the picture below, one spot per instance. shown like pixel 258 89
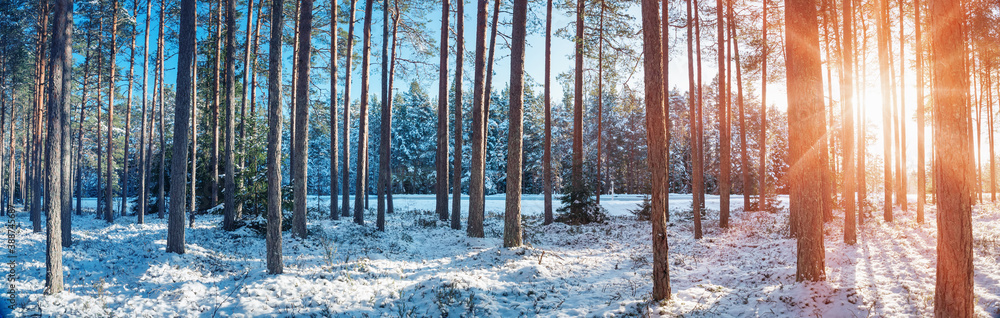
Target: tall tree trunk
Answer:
pixel 229 208
pixel 902 114
pixel 274 121
pixel 441 161
pixel 699 121
pixel 345 208
pixel 656 130
pixel 696 184
pixel 292 128
pixel 60 66
pixel 392 77
pixel 109 214
pixel 806 128
pixel 128 114
pixel 846 98
pixel 723 104
pixel 953 294
pixel 361 185
pixel 884 75
pixel 762 194
pixel 301 141
pixel 577 168
pixel 547 155
pixel 476 180
pixel 213 121
pixel 143 154
pixel 862 126
pixel 512 210
pixel 989 113
pixel 489 75
pixel 334 149
pixel 828 142
pixel 744 157
pixel 79 140
pixel 100 103
pixel 456 206
pixel 921 122
pixel 182 112
pixel 160 196
pixel 600 100
pixel 383 158
pixel 194 127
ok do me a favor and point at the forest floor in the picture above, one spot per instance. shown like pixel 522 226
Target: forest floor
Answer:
pixel 420 267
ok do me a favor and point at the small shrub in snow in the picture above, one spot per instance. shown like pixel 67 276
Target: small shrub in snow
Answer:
pixel 589 210
pixel 642 212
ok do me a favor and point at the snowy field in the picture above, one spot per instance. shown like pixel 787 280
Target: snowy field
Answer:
pixel 419 267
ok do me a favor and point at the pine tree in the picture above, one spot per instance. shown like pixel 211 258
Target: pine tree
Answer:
pixel 512 219
pixel 456 206
pixel 182 112
pixel 274 212
pixel 806 127
pixel 229 200
pixel 476 171
pixel 362 180
pixel 334 151
pixel 656 129
pixel 60 67
pixel 547 157
pixel 441 189
pixel 345 208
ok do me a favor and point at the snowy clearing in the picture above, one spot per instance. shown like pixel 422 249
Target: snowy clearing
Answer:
pixel 419 267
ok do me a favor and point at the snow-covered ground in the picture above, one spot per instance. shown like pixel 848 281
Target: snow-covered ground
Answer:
pixel 419 267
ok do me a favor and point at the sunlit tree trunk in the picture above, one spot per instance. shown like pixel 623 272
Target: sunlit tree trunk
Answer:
pixel 656 130
pixel 846 99
pixel 884 75
pixel 161 200
pixel 143 200
pixel 577 168
pixel 902 114
pixel 953 294
pixel 762 203
pixel 383 158
pixel 128 114
pixel 334 149
pixel 723 104
pixel 806 128
pixel 921 124
pixel 699 122
pixel 744 157
pixel 109 214
pixel 229 199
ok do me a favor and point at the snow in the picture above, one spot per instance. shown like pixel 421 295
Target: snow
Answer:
pixel 420 267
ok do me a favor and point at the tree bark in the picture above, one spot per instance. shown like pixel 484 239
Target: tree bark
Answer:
pixel 60 67
pixel 109 214
pixel 884 74
pixel 806 128
pixel 656 119
pixel 161 200
pixel 175 225
pixel 512 209
pixel 921 122
pixel 723 101
pixel 456 206
pixel 229 208
pixel 953 294
pixel 577 168
pixel 334 149
pixel 213 161
pixel 441 161
pixel 476 180
pixel 274 212
pixel 361 185
pixel 345 208
pixel 383 158
pixel 762 203
pixel 128 114
pixel 847 97
pixel 547 156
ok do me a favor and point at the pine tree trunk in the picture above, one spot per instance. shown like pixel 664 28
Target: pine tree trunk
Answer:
pixel 109 214
pixel 723 104
pixel 213 121
pixel 441 161
pixel 512 210
pixel 762 204
pixel 806 129
pixel 600 100
pixel 828 142
pixel 194 129
pixel 547 156
pixel 902 115
pixel 161 199
pixel 345 208
pixel 476 180
pixel 953 295
pixel 143 154
pixel 884 74
pixel 656 129
pixel 847 97
pixel 744 157
pixel 699 177
pixel 274 121
pixel 921 121
pixel 229 208
pixel 60 67
pixel 456 206
pixel 361 184
pixel 577 168
pixel 182 112
pixel 383 158
pixel 334 149
pixel 128 115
